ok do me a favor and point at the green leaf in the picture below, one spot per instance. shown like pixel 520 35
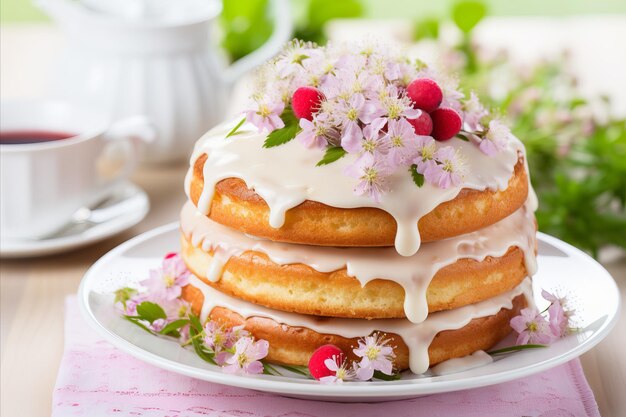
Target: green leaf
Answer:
pixel 467 14
pixel 285 134
pixel 150 311
pixel 236 128
pixel 302 370
pixel 136 322
pixel 195 322
pixel 320 12
pixel 174 326
pixel 270 370
pixel 246 25
pixel 418 178
pixel 517 348
pixel 426 29
pixel 332 154
pixel 385 377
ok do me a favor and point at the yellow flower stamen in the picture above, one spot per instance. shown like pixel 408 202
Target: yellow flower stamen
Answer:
pixel 169 280
pixel 396 141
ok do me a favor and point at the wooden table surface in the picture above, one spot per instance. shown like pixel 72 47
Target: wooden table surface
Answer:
pixel 33 291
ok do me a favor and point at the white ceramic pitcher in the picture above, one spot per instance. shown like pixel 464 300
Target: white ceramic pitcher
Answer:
pixel 155 58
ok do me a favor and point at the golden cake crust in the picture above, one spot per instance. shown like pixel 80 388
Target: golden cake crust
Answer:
pixel 314 223
pixel 295 345
pixel 298 288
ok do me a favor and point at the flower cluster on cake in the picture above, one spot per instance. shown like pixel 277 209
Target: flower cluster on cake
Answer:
pixel 394 113
pixel 364 217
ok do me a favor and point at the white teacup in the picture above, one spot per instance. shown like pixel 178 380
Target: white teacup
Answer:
pixel 42 184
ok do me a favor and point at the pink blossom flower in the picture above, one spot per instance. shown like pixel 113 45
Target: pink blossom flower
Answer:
pixel 175 309
pixel 221 340
pixel 314 134
pixel 346 81
pixel 392 71
pixel 404 73
pixel 266 113
pixel 247 356
pixel 532 328
pixel 372 174
pixel 348 114
pixel 356 108
pixel 292 57
pixel 559 314
pixel 451 168
pixel 342 371
pixel 166 282
pixel 371 141
pixel 234 334
pixel 157 325
pixel 425 159
pixel 376 355
pixel 394 104
pixel 184 334
pixel 215 336
pixel 403 142
pixel 316 70
pixel 495 139
pixel 473 112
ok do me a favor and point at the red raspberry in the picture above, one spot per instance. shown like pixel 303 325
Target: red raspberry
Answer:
pixel 446 123
pixel 306 101
pixel 425 93
pixel 423 125
pixel 317 368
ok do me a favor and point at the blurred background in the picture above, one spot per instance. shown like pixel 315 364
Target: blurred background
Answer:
pixel 555 69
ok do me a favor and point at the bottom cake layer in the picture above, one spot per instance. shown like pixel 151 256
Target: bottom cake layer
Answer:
pixel 294 337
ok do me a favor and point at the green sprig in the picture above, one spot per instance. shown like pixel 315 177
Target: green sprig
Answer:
pixel 332 154
pixel 385 377
pixel 516 348
pixel 234 130
pixel 418 178
pixel 285 134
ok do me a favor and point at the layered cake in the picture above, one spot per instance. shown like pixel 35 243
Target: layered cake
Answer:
pixel 363 193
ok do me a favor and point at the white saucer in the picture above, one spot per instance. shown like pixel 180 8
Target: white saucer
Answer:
pixel 561 266
pixel 135 207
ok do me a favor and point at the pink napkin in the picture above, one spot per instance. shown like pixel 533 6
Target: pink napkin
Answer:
pixel 95 379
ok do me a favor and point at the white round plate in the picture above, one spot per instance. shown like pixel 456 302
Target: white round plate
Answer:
pixel 131 201
pixel 561 267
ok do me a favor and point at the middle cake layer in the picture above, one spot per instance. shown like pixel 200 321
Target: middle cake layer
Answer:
pixel 361 282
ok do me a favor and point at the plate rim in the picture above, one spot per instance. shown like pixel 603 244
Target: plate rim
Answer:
pixel 55 245
pixel 354 389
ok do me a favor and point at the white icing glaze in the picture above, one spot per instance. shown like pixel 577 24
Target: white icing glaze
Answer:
pixel 417 337
pixel 454 365
pixel 287 175
pixel 413 273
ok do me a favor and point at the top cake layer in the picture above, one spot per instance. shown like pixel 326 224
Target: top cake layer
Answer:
pixel 358 173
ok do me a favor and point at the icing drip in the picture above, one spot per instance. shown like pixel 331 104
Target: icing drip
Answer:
pixel 452 366
pixel 413 273
pixel 417 337
pixel 287 175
